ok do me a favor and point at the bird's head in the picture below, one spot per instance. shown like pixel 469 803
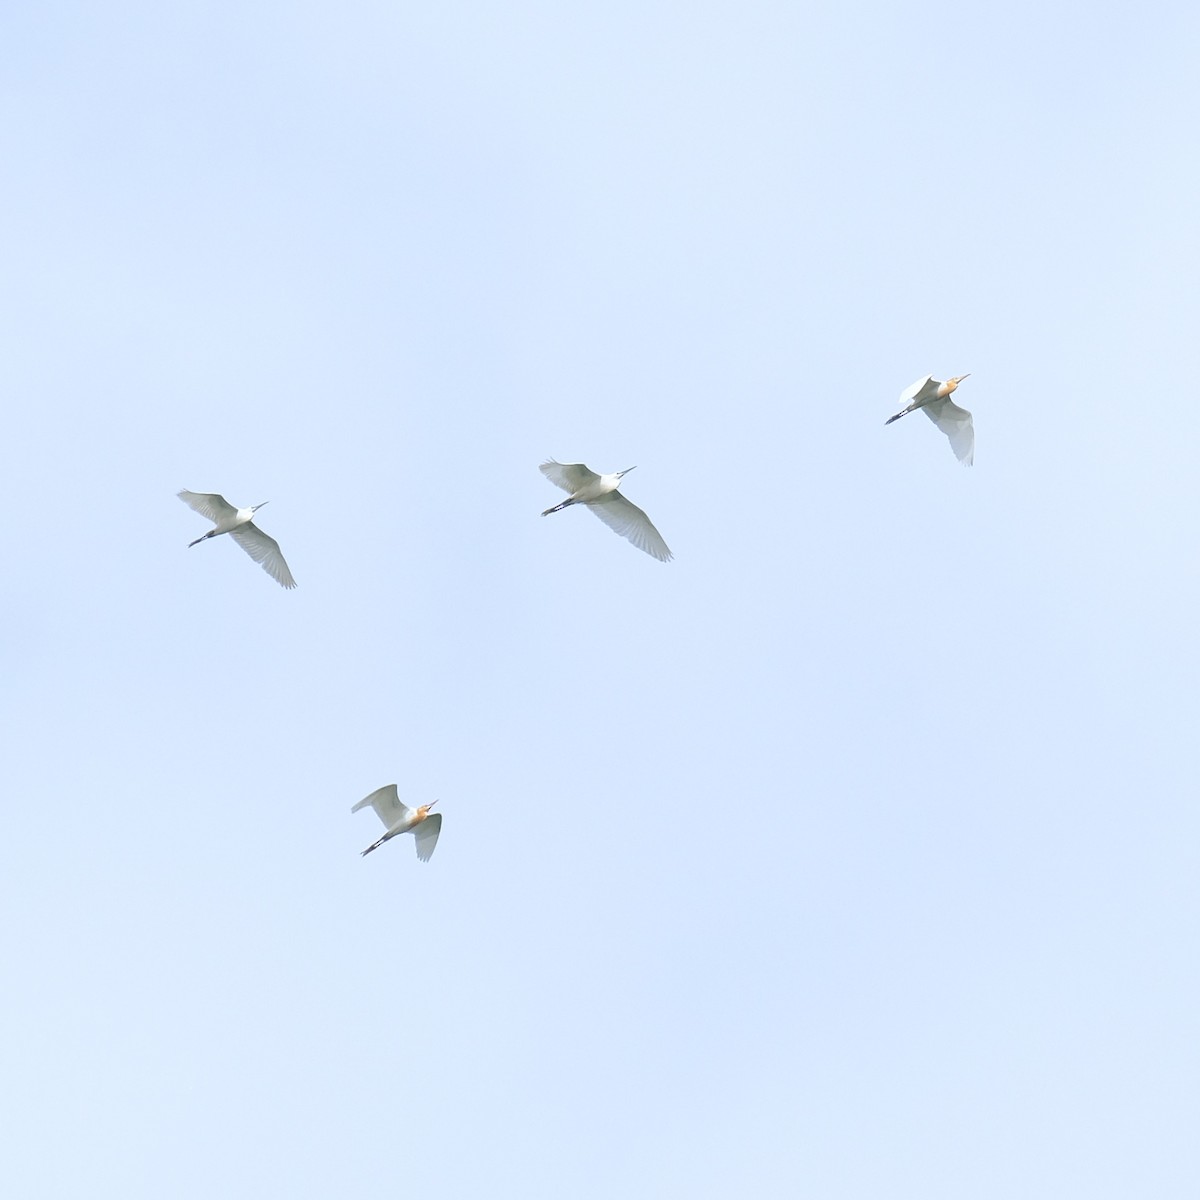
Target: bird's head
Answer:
pixel 423 811
pixel 951 384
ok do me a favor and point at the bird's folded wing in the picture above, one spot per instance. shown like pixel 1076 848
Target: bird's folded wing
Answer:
pixel 215 508
pixel 387 804
pixel 630 522
pixel 427 835
pixel 957 425
pixel 568 476
pixel 264 549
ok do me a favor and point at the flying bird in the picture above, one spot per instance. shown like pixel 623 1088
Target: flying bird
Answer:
pixel 239 523
pixel 934 397
pixel 399 818
pixel 599 493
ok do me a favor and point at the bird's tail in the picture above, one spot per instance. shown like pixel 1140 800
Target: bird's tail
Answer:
pixel 558 507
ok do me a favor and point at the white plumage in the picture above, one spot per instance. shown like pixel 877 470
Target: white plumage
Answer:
pixel 239 524
pixel 599 493
pixel 934 397
pixel 398 818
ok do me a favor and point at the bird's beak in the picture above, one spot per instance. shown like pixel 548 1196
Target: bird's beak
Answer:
pixel 627 470
pixel 431 804
pixel 966 376
pixel 262 505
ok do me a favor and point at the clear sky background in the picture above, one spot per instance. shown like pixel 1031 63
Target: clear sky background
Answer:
pixel 853 853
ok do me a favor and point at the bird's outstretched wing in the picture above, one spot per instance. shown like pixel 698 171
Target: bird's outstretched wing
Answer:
pixel 427 835
pixel 568 476
pixel 264 549
pixel 387 804
pixel 917 391
pixel 957 425
pixel 208 504
pixel 625 518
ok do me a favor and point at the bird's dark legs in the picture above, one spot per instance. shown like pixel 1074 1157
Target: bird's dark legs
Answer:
pixel 201 539
pixel 558 507
pixel 376 845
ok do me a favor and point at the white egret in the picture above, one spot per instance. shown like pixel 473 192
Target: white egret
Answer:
pixel 934 397
pixel 397 817
pixel 239 523
pixel 599 493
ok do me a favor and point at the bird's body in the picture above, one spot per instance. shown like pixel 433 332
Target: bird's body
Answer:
pixel 398 818
pixel 599 493
pixel 239 522
pixel 934 397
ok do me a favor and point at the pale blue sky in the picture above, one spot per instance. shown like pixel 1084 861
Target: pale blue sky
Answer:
pixel 853 854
